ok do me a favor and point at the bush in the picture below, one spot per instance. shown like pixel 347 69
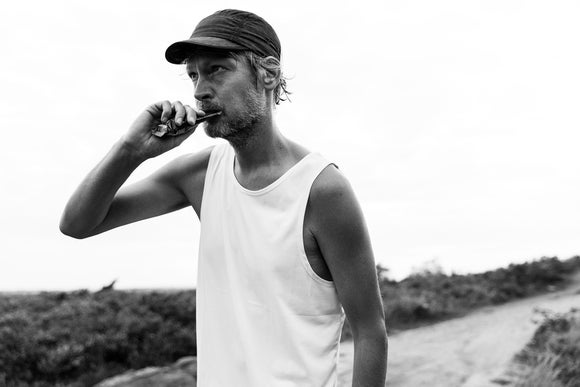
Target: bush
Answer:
pixel 430 295
pixel 551 357
pixel 81 338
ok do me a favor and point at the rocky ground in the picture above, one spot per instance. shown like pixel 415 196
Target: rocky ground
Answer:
pixel 180 374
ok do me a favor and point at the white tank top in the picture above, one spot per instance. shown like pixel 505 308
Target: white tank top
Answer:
pixel 264 317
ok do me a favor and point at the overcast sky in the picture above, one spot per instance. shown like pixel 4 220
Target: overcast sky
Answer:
pixel 455 121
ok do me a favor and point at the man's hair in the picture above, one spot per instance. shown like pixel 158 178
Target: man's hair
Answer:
pixel 270 64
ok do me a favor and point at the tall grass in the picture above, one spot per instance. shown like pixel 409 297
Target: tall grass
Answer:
pixel 552 357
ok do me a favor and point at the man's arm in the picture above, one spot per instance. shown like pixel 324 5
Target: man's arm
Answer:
pixel 98 204
pixel 340 230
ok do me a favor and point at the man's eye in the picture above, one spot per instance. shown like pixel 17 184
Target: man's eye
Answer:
pixel 193 77
pixel 216 68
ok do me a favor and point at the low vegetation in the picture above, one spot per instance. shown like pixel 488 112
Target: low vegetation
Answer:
pixel 429 295
pixel 552 357
pixel 79 338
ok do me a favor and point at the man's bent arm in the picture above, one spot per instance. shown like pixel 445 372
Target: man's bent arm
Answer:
pixel 343 239
pixel 91 201
pixel 96 206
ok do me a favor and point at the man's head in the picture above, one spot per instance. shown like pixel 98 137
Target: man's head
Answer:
pixel 233 59
pixel 239 33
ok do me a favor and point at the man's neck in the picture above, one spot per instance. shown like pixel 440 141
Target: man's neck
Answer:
pixel 265 147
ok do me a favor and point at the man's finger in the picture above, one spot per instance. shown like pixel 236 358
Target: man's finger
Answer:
pixel 191 115
pixel 179 112
pixel 166 112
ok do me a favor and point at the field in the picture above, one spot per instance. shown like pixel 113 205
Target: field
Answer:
pixel 79 338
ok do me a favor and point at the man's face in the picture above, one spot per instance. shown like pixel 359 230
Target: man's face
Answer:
pixel 225 84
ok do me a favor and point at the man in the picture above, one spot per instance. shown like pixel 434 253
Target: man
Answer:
pixel 284 250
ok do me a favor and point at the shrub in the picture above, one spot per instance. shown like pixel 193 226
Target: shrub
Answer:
pixel 553 351
pixel 430 295
pixel 79 337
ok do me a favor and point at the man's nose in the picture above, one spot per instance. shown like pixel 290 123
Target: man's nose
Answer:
pixel 202 89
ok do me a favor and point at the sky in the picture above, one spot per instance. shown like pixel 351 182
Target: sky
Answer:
pixel 455 121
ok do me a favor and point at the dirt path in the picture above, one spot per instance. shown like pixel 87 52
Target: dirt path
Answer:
pixel 464 352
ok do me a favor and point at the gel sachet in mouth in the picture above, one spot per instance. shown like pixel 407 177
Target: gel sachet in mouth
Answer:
pixel 170 128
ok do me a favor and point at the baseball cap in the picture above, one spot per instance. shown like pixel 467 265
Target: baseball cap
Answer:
pixel 231 30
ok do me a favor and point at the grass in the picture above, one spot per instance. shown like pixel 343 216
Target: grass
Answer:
pixel 552 357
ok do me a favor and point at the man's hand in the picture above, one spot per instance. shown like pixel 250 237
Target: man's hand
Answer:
pixel 143 144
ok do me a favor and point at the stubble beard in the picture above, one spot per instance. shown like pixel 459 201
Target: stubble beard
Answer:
pixel 239 129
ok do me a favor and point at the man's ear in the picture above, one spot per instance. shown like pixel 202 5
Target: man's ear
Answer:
pixel 269 78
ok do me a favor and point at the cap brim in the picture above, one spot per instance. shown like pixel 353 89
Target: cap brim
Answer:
pixel 178 52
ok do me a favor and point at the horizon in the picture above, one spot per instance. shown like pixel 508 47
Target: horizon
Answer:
pixel 430 267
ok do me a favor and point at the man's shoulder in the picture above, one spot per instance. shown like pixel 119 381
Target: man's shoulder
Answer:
pixel 329 183
pixel 186 168
pixel 187 174
pixel 331 191
pixel 191 162
pixel 333 209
